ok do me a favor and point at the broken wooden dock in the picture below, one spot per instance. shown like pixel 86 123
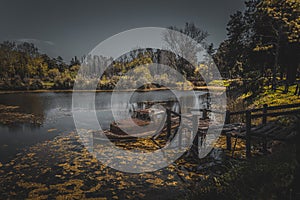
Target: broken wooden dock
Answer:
pixel 265 131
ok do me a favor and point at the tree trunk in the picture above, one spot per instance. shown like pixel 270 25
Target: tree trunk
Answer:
pixel 275 63
pixel 286 88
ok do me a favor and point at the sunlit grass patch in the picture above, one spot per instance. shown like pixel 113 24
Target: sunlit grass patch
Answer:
pixel 220 83
pixel 275 98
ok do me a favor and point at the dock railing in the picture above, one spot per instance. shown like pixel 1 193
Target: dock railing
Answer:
pixel 262 113
pixel 249 115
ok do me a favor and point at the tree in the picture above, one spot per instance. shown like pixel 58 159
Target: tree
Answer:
pixel 285 24
pixel 265 37
pixel 231 56
pixel 52 73
pixel 28 49
pixel 183 47
pixel 73 62
pixel 22 62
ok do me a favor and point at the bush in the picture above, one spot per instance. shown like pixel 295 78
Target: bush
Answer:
pixel 53 73
pixel 63 82
pixel 106 85
pixel 126 84
pixel 15 83
pixel 36 84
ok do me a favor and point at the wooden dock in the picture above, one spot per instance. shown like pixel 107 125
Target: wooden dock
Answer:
pixel 265 131
pixel 120 126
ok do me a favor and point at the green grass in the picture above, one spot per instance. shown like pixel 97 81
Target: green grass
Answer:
pixel 266 177
pixel 271 176
pixel 48 84
pixel 274 98
pixel 221 83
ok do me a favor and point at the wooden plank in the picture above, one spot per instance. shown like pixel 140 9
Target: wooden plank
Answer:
pixel 264 132
pixel 275 114
pixel 186 117
pixel 257 128
pixel 276 131
pixel 244 111
pixel 256 109
pixel 263 129
pixel 236 134
pixel 282 134
pixel 119 127
pixel 269 108
pixel 208 110
pixel 237 127
pixel 284 106
pixel 174 113
pixel 238 112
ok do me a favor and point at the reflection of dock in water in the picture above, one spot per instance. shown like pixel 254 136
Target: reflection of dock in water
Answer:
pixel 148 118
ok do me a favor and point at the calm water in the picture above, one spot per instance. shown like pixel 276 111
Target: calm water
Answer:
pixel 55 108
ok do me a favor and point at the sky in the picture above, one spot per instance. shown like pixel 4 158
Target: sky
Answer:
pixel 74 28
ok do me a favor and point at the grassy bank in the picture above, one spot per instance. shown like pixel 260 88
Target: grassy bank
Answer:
pixel 274 98
pixel 272 176
pixel 267 177
pixel 199 88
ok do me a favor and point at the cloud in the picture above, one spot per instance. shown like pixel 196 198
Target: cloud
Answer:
pixel 49 42
pixel 35 41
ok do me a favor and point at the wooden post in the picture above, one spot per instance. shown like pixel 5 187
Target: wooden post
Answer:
pixel 195 133
pixel 179 131
pixel 248 133
pixel 204 113
pixel 297 88
pixel 228 135
pixel 227 117
pixel 179 138
pixel 265 110
pixel 228 141
pixel 168 123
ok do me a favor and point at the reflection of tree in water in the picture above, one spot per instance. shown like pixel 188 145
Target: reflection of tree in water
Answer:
pixel 62 168
pixel 25 111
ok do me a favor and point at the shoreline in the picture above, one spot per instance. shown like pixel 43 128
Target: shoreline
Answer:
pixel 199 88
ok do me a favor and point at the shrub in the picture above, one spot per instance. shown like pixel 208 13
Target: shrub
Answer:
pixel 15 83
pixel 53 73
pixel 36 84
pixel 63 82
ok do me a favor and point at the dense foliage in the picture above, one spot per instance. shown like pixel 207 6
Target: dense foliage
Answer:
pixel 263 43
pixel 261 49
pixel 23 67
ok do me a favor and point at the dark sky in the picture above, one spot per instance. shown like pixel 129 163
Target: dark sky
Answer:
pixel 75 27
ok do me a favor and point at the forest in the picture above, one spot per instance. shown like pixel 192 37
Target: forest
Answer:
pixel 262 48
pixel 44 154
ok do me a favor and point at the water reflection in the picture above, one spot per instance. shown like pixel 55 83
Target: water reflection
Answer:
pixel 55 111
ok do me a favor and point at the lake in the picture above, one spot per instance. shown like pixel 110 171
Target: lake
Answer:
pixel 56 112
